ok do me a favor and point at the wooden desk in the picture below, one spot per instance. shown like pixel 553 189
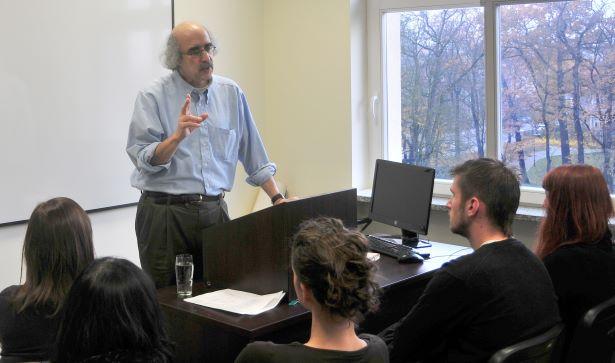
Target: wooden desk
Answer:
pixel 207 335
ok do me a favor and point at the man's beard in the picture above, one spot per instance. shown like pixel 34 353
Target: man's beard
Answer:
pixel 462 225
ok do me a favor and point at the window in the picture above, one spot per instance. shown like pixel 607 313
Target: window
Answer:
pixel 529 82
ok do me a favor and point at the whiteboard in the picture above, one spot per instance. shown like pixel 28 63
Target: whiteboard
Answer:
pixel 70 71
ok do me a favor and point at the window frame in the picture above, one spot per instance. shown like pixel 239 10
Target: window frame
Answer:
pixel 376 80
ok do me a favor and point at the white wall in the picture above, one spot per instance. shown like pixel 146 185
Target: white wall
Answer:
pixel 308 98
pixel 11 239
pixel 361 117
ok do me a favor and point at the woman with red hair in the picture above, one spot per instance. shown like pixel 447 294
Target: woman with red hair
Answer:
pixel 574 240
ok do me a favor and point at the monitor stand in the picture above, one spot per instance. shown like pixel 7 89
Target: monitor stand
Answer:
pixel 409 238
pixel 412 239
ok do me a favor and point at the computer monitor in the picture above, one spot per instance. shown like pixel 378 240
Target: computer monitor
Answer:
pixel 401 197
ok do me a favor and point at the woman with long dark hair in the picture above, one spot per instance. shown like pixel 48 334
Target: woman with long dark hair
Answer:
pixel 112 315
pixel 57 247
pixel 335 281
pixel 574 240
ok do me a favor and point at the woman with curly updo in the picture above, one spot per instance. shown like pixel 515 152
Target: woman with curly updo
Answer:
pixel 334 280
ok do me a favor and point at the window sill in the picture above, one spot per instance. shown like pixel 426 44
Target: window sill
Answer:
pixel 531 214
pixel 524 213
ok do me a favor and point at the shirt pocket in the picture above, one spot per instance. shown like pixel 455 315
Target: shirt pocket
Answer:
pixel 222 143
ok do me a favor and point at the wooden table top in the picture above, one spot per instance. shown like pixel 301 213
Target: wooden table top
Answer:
pixel 389 274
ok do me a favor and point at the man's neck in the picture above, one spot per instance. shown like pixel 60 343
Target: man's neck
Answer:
pixel 485 234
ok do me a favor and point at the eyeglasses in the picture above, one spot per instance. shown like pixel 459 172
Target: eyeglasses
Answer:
pixel 209 48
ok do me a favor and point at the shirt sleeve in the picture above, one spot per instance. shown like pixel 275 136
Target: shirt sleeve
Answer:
pixel 144 134
pixel 252 152
pixel 438 311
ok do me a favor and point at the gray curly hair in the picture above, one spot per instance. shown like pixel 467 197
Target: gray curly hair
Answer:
pixel 172 55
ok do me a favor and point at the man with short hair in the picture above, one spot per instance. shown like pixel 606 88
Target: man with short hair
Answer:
pixel 188 131
pixel 478 303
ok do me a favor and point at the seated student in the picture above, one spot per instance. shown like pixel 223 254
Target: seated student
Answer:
pixel 334 280
pixel 478 303
pixel 574 240
pixel 112 315
pixel 57 246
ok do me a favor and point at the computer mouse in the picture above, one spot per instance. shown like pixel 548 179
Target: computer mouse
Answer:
pixel 410 257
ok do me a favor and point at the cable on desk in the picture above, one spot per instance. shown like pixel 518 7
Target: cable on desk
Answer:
pixel 452 254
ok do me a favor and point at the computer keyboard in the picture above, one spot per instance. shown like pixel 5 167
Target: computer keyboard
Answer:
pixel 390 248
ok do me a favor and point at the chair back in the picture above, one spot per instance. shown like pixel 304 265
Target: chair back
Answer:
pixel 594 337
pixel 536 349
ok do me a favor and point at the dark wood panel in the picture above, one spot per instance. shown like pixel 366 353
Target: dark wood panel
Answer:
pixel 252 253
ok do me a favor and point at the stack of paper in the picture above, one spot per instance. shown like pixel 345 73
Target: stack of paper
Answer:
pixel 238 301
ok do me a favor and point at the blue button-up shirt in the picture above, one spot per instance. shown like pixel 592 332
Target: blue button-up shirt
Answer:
pixel 205 161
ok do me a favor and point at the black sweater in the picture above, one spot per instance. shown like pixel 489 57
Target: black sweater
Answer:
pixel 583 276
pixel 474 305
pixel 29 334
pixel 374 352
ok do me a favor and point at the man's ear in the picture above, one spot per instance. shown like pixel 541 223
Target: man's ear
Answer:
pixel 472 206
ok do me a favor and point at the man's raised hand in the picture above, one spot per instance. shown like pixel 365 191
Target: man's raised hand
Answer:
pixel 186 122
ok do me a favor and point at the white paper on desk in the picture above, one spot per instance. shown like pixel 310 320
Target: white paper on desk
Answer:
pixel 239 302
pixel 373 256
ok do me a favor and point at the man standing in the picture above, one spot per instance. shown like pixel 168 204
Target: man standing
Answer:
pixel 188 131
pixel 479 303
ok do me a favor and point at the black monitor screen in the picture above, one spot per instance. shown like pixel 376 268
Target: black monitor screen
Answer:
pixel 401 195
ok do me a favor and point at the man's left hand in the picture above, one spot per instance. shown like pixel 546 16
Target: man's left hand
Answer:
pixel 285 200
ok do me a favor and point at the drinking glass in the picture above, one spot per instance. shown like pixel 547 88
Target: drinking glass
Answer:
pixel 184 268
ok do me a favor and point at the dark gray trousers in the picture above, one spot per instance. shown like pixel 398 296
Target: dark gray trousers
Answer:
pixel 166 230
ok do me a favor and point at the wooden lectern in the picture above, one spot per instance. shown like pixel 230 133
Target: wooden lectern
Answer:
pixel 252 253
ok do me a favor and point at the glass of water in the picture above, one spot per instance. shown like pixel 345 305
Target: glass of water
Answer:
pixel 184 269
